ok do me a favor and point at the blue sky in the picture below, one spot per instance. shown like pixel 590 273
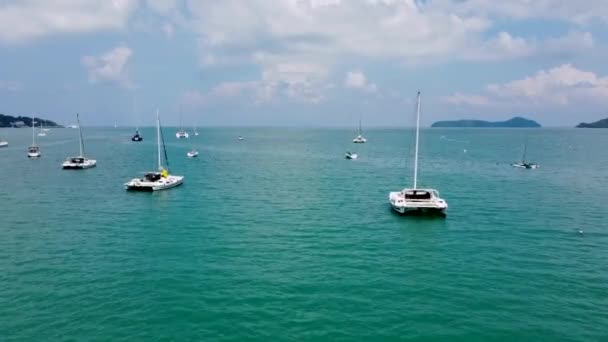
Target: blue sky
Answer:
pixel 303 62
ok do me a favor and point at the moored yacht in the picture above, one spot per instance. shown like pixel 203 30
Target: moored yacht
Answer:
pixel 33 151
pixel 156 180
pixel 360 139
pixel 417 200
pixel 3 143
pixel 137 136
pixel 192 154
pixel 181 133
pixel 42 130
pixel 523 164
pixel 80 162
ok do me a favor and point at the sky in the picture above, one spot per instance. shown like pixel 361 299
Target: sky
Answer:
pixel 303 62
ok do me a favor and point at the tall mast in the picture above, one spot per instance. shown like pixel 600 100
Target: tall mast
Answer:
pixel 80 136
pixel 158 138
pixel 417 140
pixel 33 132
pixel 359 126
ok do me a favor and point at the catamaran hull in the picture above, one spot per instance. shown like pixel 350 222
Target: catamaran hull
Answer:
pixel 420 211
pixel 151 188
pixel 71 166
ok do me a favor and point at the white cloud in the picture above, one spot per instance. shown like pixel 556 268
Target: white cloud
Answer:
pixel 10 86
pixel 168 30
pixel 22 20
pixel 562 87
pixel 570 11
pixel 357 80
pixel 110 66
pixel 296 82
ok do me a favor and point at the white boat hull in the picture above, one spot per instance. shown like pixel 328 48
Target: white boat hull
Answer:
pixel 86 164
pixel 524 166
pixel 433 205
pixel 359 140
pixel 164 183
pixel 180 135
pixel 3 143
pixel 33 155
pixel 352 156
pixel 192 154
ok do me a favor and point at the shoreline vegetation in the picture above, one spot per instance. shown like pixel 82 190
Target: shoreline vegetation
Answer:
pixel 597 124
pixel 24 121
pixel 516 122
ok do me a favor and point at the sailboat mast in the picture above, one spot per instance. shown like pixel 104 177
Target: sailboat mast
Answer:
pixel 359 126
pixel 158 138
pixel 33 132
pixel 80 135
pixel 417 140
pixel 523 157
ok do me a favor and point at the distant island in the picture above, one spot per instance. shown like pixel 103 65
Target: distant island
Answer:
pixel 24 121
pixel 598 124
pixel 516 122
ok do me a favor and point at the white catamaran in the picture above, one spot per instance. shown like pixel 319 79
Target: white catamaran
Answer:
pixel 360 139
pixel 523 164
pixel 181 133
pixel 80 162
pixel 156 180
pixel 33 151
pixel 416 200
pixel 42 130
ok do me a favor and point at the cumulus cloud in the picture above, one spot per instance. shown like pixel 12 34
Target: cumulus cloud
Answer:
pixel 357 80
pixel 559 87
pixel 110 66
pixel 23 20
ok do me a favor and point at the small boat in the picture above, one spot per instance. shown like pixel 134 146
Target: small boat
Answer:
pixel 195 131
pixel 33 151
pixel 523 164
pixel 181 133
pixel 41 133
pixel 350 155
pixel 137 136
pixel 157 180
pixel 416 200
pixel 3 143
pixel 192 154
pixel 360 139
pixel 80 162
pixel 240 138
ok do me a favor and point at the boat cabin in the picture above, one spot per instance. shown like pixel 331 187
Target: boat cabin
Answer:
pixel 418 195
pixel 33 149
pixel 152 177
pixel 77 160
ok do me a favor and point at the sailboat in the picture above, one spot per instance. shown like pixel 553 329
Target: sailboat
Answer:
pixel 42 130
pixel 350 156
pixel 411 200
pixel 181 133
pixel 192 153
pixel 156 180
pixel 80 162
pixel 137 136
pixel 3 143
pixel 523 164
pixel 33 151
pixel 195 131
pixel 360 139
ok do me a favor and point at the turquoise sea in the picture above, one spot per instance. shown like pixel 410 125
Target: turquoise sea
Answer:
pixel 279 238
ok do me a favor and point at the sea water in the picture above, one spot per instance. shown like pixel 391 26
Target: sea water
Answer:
pixel 279 237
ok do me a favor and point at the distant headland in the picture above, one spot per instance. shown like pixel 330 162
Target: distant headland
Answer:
pixel 24 121
pixel 598 124
pixel 516 122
